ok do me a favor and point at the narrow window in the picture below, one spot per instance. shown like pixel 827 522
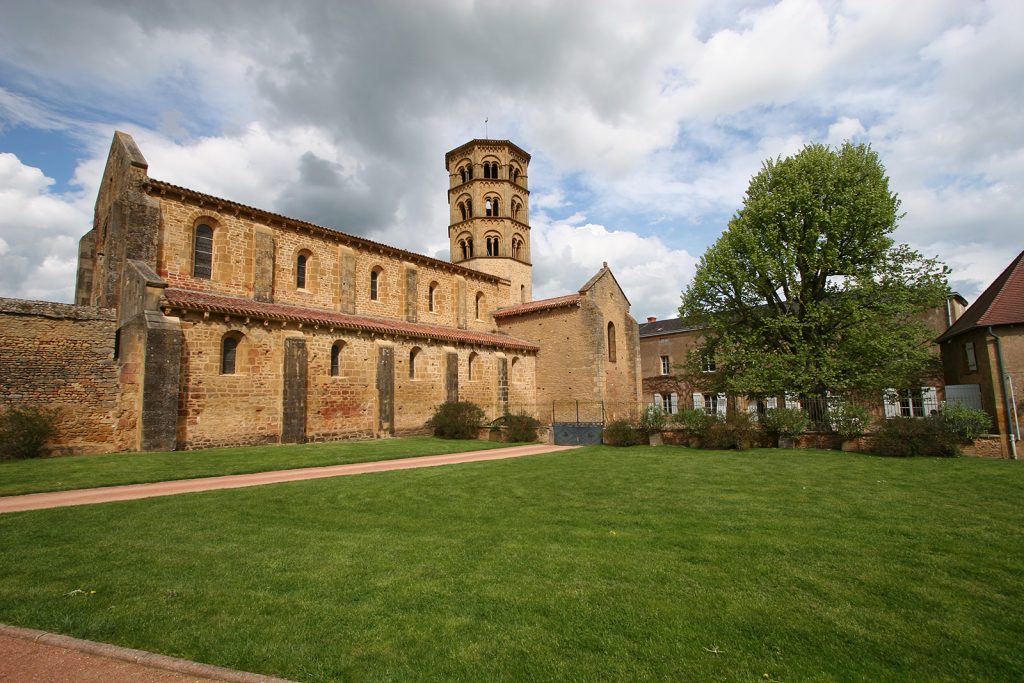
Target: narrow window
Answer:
pixel 375 284
pixel 664 365
pixel 462 173
pixel 413 354
pixel 479 305
pixel 471 366
pixel 431 292
pixel 300 271
pixel 707 363
pixel 469 208
pixel 336 358
pixel 611 342
pixel 227 356
pixel 462 210
pixel 494 170
pixel 522 294
pixel 469 247
pixel 970 357
pixel 202 257
pixel 117 343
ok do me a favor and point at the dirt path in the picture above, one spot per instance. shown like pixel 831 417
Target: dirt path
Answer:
pixel 107 494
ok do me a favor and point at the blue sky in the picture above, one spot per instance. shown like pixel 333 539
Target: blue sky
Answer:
pixel 645 120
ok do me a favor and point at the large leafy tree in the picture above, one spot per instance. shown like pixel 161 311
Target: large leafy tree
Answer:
pixel 806 291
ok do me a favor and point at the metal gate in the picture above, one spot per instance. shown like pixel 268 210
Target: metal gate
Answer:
pixel 577 423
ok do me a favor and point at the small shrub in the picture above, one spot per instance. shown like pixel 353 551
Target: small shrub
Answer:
pixel 519 427
pixel 696 422
pixel 457 420
pixel 785 422
pixel 849 421
pixel 24 431
pixel 963 423
pixel 904 437
pixel 622 433
pixel 736 431
pixel 653 420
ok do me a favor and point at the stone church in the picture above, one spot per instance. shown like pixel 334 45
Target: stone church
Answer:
pixel 199 321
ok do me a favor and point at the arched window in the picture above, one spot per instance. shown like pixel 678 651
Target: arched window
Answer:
pixel 462 173
pixel 336 358
pixel 515 210
pixel 522 294
pixel 471 366
pixel 480 303
pixel 462 210
pixel 494 169
pixel 300 271
pixel 513 369
pixel 202 253
pixel 611 342
pixel 228 354
pixel 469 247
pixel 493 246
pixel 413 355
pixel 491 206
pixel 375 283
pixel 432 297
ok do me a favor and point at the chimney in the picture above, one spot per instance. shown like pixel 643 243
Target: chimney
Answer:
pixel 652 318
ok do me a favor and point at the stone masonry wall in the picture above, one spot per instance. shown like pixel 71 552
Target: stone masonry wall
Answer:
pixel 61 356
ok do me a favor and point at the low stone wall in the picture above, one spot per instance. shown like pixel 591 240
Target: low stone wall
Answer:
pixel 61 356
pixel 990 446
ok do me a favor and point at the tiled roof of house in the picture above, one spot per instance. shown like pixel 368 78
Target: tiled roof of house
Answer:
pixel 667 326
pixel 219 203
pixel 215 303
pixel 539 305
pixel 1001 304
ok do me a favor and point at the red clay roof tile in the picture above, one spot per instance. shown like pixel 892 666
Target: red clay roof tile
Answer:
pixel 539 305
pixel 215 303
pixel 1001 304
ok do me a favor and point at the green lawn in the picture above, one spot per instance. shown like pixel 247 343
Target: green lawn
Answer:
pixel 594 564
pixel 79 472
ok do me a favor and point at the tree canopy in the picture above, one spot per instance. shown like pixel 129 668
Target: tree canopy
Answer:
pixel 806 291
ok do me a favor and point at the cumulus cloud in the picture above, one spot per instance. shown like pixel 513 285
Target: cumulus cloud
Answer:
pixel 39 248
pixel 649 120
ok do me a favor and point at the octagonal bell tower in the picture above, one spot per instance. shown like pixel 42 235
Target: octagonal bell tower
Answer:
pixel 488 200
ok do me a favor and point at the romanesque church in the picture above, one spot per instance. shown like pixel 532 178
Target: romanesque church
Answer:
pixel 199 321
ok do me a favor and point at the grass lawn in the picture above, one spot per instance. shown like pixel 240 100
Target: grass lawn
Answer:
pixel 87 471
pixel 595 564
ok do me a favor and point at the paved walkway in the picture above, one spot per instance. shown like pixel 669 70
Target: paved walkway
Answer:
pixel 31 656
pixel 108 494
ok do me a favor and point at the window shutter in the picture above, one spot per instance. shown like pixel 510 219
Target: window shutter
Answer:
pixel 791 401
pixel 891 402
pixel 751 405
pixel 721 405
pixel 698 400
pixel 673 403
pixel 657 401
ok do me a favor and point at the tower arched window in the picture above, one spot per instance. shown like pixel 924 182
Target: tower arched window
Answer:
pixel 300 271
pixel 432 297
pixel 375 283
pixel 480 305
pixel 493 246
pixel 491 206
pixel 462 210
pixel 336 358
pixel 462 174
pixel 611 342
pixel 202 252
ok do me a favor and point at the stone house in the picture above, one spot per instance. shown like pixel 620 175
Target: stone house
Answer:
pixel 983 354
pixel 200 321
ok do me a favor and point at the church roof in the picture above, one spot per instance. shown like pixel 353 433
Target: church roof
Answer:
pixel 1001 304
pixel 216 303
pixel 667 326
pixel 539 305
pixel 219 204
pixel 481 141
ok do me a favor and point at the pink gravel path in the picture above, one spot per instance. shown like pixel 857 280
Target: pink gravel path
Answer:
pixel 107 494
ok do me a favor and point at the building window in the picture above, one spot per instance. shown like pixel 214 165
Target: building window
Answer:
pixel 970 358
pixel 911 403
pixel 517 246
pixel 480 304
pixel 491 170
pixel 466 246
pixel 611 342
pixel 491 206
pixel 462 211
pixel 522 294
pixel 516 206
pixel 300 271
pixel 492 246
pixel 707 362
pixel 711 404
pixel 670 403
pixel 336 358
pixel 514 174
pixel 413 355
pixel 432 297
pixel 202 256
pixel 375 284
pixel 665 365
pixel 471 367
pixel 229 352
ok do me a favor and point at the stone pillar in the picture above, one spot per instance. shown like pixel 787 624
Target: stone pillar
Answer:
pixel 347 281
pixel 263 267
